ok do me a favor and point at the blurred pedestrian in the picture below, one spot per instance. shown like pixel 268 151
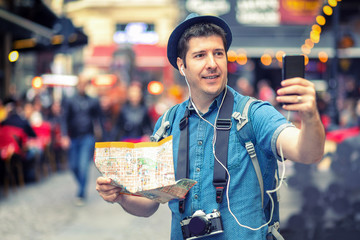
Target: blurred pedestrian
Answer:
pixel 265 92
pixel 134 123
pixel 21 130
pixel 81 114
pixel 55 118
pixel 15 118
pixel 244 87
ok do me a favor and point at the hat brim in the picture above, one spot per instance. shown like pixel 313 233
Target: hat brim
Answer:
pixel 179 30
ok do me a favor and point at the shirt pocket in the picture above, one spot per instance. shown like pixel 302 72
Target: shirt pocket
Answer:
pixel 237 153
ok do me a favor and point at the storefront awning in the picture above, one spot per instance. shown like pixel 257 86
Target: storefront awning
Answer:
pixel 146 56
pixel 8 19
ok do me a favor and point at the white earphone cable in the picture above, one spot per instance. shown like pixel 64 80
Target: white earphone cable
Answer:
pixel 229 177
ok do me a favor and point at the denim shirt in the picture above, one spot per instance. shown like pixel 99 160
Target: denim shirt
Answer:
pixel 244 191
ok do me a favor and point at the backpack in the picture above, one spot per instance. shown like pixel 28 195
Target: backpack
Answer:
pixel 247 139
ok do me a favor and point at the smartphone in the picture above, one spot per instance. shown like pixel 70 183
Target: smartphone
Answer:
pixel 293 66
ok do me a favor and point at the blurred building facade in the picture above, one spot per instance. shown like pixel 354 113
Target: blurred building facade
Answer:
pixel 126 35
pixel 32 34
pixel 127 39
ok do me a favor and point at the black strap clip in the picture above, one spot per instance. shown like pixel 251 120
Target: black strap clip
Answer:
pixel 182 206
pixel 183 123
pixel 223 124
pixel 185 120
pixel 219 194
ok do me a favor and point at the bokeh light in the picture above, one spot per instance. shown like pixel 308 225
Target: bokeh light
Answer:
pixel 37 82
pixel 321 20
pixel 316 28
pixel 315 36
pixel 155 87
pixel 279 55
pixel 13 56
pixel 305 49
pixel 306 60
pixel 332 3
pixel 309 43
pixel 266 59
pixel 231 56
pixel 242 57
pixel 328 10
pixel 323 56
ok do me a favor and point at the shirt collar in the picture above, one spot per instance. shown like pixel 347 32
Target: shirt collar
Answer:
pixel 214 105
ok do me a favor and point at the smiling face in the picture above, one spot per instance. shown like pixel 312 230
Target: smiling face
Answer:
pixel 206 67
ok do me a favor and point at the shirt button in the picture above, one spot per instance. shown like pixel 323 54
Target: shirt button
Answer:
pixel 198 169
pixel 200 142
pixel 196 196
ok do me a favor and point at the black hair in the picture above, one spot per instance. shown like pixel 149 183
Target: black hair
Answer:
pixel 198 30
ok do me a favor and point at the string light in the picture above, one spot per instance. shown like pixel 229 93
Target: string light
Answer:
pixel 242 57
pixel 279 55
pixel 232 56
pixel 323 57
pixel 321 20
pixel 309 43
pixel 332 3
pixel 328 10
pixel 266 59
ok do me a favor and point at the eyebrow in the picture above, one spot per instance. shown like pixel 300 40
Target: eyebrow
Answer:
pixel 204 51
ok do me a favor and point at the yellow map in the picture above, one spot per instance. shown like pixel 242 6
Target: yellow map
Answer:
pixel 143 169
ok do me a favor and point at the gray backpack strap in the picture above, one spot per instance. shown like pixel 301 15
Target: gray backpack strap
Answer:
pixel 247 138
pixel 274 230
pixel 166 122
pixel 161 132
pixel 251 151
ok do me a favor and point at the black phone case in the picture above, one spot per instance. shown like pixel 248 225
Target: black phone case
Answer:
pixel 293 66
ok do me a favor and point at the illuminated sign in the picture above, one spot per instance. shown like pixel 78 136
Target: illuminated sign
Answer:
pixel 258 12
pixel 59 80
pixel 104 80
pixel 299 11
pixel 136 33
pixel 205 7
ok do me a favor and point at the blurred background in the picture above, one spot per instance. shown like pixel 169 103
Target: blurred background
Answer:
pixel 118 48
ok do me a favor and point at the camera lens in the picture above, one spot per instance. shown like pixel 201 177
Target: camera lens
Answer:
pixel 198 225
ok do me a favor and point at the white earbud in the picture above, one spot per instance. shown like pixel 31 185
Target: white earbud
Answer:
pixel 182 70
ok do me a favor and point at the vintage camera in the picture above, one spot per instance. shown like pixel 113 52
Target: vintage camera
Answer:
pixel 201 224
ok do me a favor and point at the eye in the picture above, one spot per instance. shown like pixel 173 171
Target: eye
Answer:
pixel 219 53
pixel 199 55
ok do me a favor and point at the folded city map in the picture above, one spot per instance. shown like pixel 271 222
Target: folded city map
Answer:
pixel 142 169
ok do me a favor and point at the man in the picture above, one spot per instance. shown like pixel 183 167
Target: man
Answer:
pixel 80 113
pixel 197 47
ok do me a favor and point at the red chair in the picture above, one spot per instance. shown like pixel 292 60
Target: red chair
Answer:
pixel 11 155
pixel 43 141
pixel 340 135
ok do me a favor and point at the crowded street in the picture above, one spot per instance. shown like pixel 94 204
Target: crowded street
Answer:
pixel 180 119
pixel 47 211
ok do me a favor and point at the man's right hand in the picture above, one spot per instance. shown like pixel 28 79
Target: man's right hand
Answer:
pixel 137 206
pixel 107 191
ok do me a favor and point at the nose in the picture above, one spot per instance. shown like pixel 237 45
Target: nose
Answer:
pixel 211 62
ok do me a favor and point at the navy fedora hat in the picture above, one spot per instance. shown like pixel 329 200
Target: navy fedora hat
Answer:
pixel 190 20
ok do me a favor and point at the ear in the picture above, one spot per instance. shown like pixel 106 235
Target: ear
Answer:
pixel 180 65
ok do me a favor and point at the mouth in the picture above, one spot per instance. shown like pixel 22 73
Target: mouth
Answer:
pixel 211 77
